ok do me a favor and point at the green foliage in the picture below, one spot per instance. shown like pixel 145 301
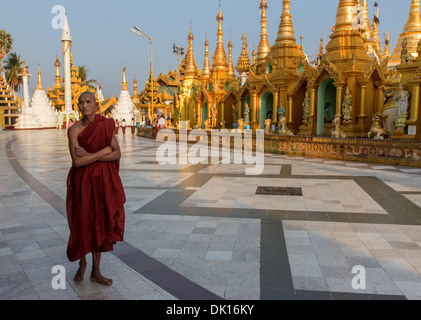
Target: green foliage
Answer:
pixel 83 76
pixel 13 67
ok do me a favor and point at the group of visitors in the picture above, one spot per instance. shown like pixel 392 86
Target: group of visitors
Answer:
pixel 122 123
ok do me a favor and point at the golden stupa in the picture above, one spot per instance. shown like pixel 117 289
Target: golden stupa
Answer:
pixel 8 104
pixel 351 80
pixel 411 35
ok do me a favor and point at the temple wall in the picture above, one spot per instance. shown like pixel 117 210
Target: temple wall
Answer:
pixel 391 152
pixel 388 152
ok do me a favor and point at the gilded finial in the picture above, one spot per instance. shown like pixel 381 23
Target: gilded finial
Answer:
pixel 39 85
pixel 190 64
pixel 24 70
pixel 206 71
pixel 124 82
pixel 286 29
pixel 264 48
pixel 219 58
pixel 231 70
pixel 243 64
pixel 301 42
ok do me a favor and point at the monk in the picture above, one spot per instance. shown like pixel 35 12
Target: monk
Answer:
pixel 95 195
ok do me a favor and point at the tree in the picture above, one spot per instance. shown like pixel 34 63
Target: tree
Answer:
pixel 13 67
pixel 83 75
pixel 6 42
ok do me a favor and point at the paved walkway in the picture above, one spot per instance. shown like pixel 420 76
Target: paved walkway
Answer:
pixel 198 232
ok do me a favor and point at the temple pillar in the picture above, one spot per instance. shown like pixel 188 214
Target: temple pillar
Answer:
pixel 290 100
pixel 199 112
pixel 415 102
pixel 380 97
pixel 339 93
pixel 222 114
pixel 253 110
pixel 363 97
pixel 414 123
pixel 275 106
pixel 240 115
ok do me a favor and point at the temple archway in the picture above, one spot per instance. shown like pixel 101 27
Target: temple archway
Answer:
pixel 229 103
pixel 243 107
pixel 326 104
pixel 266 108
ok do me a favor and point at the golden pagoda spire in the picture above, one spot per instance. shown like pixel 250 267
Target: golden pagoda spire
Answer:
pixel 39 84
pixel 386 51
pixel 321 48
pixel 206 71
pixel 243 64
pixel 286 29
pixel 301 43
pixel 124 82
pixel 191 69
pixel 375 30
pixel 344 15
pixel 286 50
pixel 73 69
pixel 219 58
pixel 135 98
pixel 411 32
pixel 345 41
pixel 231 70
pixel 253 56
pixel 24 70
pixel 264 48
pixel 57 83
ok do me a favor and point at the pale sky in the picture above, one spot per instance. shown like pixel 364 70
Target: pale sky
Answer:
pixel 103 43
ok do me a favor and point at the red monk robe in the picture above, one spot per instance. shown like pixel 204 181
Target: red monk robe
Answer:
pixel 95 196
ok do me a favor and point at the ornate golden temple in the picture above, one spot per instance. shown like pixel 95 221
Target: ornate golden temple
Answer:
pixel 9 104
pixel 353 86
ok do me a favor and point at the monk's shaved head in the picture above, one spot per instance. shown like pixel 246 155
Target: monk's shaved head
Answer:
pixel 86 93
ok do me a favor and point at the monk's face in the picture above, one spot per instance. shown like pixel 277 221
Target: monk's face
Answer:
pixel 87 104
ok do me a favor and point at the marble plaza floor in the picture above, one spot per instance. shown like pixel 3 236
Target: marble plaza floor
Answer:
pixel 200 232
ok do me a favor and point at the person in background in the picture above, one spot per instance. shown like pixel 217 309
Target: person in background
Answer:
pixel 161 123
pixel 123 126
pixel 117 126
pixel 133 126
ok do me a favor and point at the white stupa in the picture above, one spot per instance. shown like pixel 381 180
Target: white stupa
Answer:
pixel 42 106
pixel 27 118
pixel 124 109
pixel 40 114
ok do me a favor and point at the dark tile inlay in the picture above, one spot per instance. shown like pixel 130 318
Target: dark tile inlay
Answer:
pixel 279 191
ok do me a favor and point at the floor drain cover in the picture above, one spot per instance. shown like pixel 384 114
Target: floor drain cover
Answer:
pixel 279 191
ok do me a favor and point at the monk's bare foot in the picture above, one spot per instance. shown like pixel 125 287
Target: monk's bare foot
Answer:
pixel 101 279
pixel 80 272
